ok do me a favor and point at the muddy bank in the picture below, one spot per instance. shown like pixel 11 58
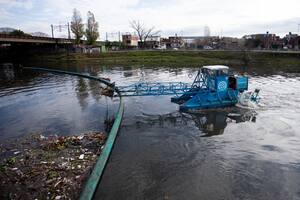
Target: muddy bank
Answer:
pixel 54 167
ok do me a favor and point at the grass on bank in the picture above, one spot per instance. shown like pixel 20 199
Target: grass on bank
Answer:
pixel 179 58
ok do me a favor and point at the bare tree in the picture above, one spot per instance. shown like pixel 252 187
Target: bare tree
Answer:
pixel 142 32
pixel 77 27
pixel 91 31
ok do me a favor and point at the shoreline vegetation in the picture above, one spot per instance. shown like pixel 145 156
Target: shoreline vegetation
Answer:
pixel 180 58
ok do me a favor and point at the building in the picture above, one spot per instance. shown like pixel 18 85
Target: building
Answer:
pixel 201 42
pixel 292 41
pixel 171 42
pixel 165 43
pixel 152 42
pixel 130 41
pixel 190 43
pixel 176 42
pixel 262 41
pixel 230 43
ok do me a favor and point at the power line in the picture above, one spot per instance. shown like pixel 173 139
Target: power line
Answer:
pixel 60 27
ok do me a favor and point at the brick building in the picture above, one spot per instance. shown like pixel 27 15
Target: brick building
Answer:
pixel 130 41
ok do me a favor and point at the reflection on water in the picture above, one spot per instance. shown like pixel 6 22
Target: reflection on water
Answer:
pixel 82 92
pixel 162 153
pixel 49 103
pixel 209 123
pixel 214 122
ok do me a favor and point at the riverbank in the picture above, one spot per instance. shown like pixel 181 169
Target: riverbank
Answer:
pixel 179 58
pixel 53 167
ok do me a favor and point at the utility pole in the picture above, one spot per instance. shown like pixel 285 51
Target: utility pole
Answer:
pixel 119 39
pixel 106 36
pixel 69 33
pixel 267 40
pixel 52 30
pixel 60 28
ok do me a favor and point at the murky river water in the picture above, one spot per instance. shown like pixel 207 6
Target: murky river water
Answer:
pixel 161 153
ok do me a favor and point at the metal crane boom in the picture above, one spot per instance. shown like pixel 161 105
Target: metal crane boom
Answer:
pixel 153 89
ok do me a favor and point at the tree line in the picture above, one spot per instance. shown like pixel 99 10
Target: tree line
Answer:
pixel 91 30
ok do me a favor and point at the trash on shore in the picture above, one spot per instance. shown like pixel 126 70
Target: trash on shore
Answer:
pixel 53 167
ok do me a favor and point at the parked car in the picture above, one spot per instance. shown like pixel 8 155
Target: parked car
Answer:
pixel 208 48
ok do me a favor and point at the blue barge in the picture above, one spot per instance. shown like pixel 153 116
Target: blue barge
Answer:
pixel 214 87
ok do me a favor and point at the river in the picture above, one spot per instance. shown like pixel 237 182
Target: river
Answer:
pixel 162 153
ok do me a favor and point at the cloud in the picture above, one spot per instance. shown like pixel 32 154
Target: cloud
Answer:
pixel 230 17
pixel 26 4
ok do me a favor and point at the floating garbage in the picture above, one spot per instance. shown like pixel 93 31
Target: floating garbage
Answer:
pixel 53 167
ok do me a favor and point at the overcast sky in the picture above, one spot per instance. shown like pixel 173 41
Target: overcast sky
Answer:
pixel 184 17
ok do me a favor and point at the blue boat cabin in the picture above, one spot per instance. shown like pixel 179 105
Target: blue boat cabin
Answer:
pixel 213 87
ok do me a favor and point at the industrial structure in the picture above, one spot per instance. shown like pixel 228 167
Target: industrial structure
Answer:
pixel 213 87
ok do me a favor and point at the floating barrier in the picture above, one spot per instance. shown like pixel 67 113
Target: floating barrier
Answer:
pixel 95 177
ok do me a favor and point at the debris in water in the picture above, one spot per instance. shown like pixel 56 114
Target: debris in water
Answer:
pixel 52 167
pixel 108 91
pixel 57 197
pixel 80 137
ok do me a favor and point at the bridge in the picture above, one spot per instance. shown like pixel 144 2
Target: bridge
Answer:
pixel 6 38
pixel 14 47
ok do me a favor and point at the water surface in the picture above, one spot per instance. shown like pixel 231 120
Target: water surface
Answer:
pixel 162 153
pixel 46 103
pixel 234 153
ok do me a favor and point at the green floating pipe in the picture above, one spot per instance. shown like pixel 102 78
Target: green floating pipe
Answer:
pixel 94 179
